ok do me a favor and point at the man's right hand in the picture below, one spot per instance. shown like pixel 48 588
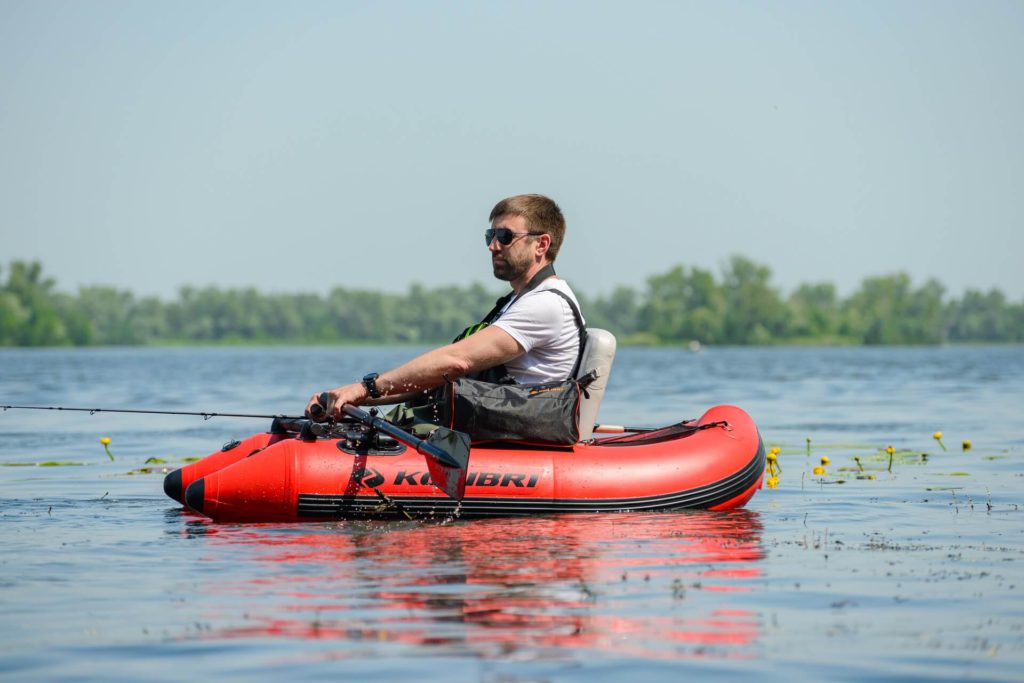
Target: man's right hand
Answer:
pixel 350 394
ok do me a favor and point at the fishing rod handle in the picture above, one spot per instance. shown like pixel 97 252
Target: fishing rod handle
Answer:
pixel 320 407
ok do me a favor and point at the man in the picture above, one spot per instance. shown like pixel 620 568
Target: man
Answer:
pixel 534 335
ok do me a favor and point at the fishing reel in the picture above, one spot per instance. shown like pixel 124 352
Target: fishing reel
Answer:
pixel 353 437
pixel 361 439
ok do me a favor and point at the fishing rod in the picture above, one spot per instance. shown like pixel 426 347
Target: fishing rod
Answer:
pixel 598 429
pixel 204 415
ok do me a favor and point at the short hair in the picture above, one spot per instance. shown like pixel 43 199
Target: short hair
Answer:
pixel 541 214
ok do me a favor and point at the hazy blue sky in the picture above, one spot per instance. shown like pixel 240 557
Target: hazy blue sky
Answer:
pixel 298 146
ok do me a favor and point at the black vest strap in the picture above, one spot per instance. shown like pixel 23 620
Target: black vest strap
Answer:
pixel 579 326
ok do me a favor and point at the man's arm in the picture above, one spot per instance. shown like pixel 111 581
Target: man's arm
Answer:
pixel 485 349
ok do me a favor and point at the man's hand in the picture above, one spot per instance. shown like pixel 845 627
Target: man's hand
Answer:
pixel 353 394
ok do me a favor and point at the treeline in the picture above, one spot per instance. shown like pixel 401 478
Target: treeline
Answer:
pixel 676 307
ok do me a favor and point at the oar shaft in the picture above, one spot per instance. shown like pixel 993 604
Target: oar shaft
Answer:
pixel 422 446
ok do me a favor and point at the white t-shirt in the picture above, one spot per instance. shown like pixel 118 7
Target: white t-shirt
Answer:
pixel 545 327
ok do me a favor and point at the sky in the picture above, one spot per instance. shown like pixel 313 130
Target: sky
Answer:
pixel 297 147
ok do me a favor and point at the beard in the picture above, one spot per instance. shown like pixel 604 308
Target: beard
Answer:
pixel 511 265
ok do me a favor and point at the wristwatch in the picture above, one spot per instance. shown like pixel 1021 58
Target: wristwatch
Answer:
pixel 370 382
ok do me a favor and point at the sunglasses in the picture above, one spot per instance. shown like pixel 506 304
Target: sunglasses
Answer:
pixel 505 236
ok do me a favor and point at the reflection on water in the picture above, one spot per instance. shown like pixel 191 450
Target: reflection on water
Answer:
pixel 627 584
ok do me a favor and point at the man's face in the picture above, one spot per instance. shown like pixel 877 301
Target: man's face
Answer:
pixel 513 260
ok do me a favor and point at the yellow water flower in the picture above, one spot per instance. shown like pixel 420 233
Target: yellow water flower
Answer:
pixel 824 460
pixel 771 482
pixel 105 441
pixel 106 446
pixel 819 470
pixel 890 450
pixel 938 437
pixel 772 457
pixel 967 444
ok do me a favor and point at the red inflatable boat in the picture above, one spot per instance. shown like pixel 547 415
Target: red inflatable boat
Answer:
pixel 716 462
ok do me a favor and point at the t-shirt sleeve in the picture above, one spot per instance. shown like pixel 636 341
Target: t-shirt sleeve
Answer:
pixel 535 320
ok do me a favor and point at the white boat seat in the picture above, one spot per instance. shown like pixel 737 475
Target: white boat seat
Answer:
pixel 597 356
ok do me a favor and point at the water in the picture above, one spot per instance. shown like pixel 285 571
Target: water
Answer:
pixel 916 573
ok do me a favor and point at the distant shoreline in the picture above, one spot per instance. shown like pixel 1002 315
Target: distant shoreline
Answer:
pixel 684 306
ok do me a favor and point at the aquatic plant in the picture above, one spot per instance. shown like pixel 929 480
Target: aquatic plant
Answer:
pixel 106 446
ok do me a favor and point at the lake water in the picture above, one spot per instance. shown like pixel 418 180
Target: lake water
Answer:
pixel 908 572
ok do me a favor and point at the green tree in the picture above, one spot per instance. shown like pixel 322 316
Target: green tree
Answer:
pixel 887 310
pixel 982 317
pixel 619 313
pixel 754 311
pixel 360 315
pixel 109 313
pixel 682 306
pixel 13 316
pixel 814 311
pixel 34 294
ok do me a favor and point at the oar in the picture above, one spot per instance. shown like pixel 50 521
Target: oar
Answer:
pixel 446 451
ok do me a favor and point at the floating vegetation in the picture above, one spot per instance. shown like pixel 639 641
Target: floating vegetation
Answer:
pixel 106 446
pixel 888 456
pixel 145 469
pixel 148 470
pixel 773 468
pixel 865 465
pixel 46 463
